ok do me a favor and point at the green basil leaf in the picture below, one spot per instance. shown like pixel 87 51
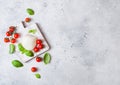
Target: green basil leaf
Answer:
pixel 30 11
pixel 21 48
pixel 32 31
pixel 11 48
pixel 37 75
pixel 17 63
pixel 47 58
pixel 29 53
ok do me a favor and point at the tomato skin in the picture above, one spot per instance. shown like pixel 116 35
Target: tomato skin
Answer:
pixel 33 69
pixel 8 33
pixel 40 46
pixel 6 40
pixel 38 59
pixel 16 35
pixel 13 40
pixel 36 49
pixel 38 41
pixel 27 19
pixel 12 28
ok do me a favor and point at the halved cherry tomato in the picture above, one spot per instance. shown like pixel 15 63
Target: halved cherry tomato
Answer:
pixel 8 33
pixel 33 69
pixel 38 59
pixel 6 40
pixel 40 46
pixel 12 28
pixel 16 35
pixel 13 40
pixel 36 49
pixel 38 41
pixel 27 19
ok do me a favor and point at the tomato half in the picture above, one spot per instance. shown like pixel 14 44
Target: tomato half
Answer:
pixel 6 40
pixel 12 28
pixel 8 33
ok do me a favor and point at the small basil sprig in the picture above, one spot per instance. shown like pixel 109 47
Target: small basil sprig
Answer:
pixel 30 11
pixel 47 58
pixel 17 63
pixel 37 75
pixel 32 31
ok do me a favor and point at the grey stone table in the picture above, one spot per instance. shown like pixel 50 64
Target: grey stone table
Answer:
pixel 84 36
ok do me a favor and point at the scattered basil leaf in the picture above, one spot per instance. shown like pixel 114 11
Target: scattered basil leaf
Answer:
pixel 47 58
pixel 30 11
pixel 11 48
pixel 29 53
pixel 37 75
pixel 32 31
pixel 21 48
pixel 17 63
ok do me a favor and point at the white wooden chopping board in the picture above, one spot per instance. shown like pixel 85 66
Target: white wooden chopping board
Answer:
pixel 24 31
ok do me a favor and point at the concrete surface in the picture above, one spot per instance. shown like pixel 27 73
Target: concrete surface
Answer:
pixel 84 36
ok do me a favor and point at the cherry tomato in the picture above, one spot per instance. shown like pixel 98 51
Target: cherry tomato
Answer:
pixel 33 69
pixel 13 40
pixel 8 33
pixel 36 49
pixel 38 59
pixel 12 28
pixel 40 46
pixel 6 40
pixel 27 19
pixel 38 41
pixel 16 35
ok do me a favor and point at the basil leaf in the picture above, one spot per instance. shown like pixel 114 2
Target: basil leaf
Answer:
pixel 37 75
pixel 21 48
pixel 30 11
pixel 32 31
pixel 47 58
pixel 29 53
pixel 11 48
pixel 17 63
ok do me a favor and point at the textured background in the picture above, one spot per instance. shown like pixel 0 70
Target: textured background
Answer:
pixel 84 36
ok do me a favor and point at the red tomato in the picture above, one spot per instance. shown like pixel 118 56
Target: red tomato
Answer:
pixel 13 40
pixel 16 35
pixel 38 59
pixel 36 49
pixel 33 69
pixel 27 19
pixel 40 46
pixel 6 40
pixel 12 28
pixel 8 33
pixel 38 41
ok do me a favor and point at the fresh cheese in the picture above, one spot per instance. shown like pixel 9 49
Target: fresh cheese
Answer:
pixel 29 42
